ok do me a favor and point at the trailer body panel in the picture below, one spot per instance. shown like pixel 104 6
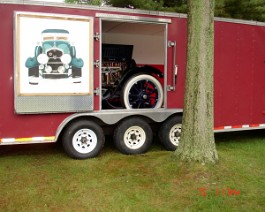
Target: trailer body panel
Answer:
pixel 239 102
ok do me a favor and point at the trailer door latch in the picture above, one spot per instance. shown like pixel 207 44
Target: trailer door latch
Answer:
pixel 175 66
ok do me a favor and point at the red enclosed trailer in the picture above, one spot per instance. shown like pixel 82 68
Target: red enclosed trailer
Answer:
pixel 76 73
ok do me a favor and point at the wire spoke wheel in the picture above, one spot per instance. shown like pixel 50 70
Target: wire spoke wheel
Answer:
pixel 142 91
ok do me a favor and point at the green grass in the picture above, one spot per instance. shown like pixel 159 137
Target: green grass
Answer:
pixel 42 178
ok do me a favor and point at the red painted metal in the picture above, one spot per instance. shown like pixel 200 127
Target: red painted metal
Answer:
pixel 239 72
pixel 177 31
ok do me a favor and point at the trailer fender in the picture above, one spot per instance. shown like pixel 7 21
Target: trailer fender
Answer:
pixel 107 117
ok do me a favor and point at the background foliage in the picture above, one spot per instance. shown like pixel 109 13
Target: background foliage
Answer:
pixel 243 9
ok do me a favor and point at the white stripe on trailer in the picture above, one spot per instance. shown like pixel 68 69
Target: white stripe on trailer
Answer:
pixel 38 139
pixel 7 140
pixel 245 126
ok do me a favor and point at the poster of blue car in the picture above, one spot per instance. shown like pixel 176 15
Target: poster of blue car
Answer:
pixel 52 56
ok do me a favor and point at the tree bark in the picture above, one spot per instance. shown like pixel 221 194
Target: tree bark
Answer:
pixel 197 140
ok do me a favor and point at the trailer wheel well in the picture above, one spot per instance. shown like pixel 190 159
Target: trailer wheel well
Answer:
pixel 147 119
pixel 174 115
pixel 77 119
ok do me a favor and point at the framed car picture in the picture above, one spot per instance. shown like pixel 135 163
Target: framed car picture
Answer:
pixel 53 54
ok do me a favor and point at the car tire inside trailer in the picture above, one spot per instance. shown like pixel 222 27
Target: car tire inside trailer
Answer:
pixel 142 91
pixel 169 133
pixel 83 139
pixel 133 136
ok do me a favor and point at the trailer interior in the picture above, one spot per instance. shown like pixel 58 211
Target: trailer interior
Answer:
pixel 126 45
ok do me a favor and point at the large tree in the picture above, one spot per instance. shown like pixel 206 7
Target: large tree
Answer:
pixel 197 139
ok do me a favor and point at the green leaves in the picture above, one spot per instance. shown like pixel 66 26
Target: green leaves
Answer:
pixel 89 2
pixel 250 10
pixel 243 9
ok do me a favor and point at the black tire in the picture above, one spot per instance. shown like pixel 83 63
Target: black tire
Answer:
pixel 33 75
pixel 33 72
pixel 142 91
pixel 133 136
pixel 83 139
pixel 169 133
pixel 76 74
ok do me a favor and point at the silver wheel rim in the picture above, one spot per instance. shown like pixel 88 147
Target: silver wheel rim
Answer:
pixel 134 137
pixel 84 141
pixel 174 134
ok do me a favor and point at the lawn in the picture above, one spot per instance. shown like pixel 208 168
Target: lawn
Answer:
pixel 42 178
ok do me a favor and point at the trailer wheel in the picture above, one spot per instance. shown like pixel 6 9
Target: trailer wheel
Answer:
pixel 169 133
pixel 83 139
pixel 142 91
pixel 133 136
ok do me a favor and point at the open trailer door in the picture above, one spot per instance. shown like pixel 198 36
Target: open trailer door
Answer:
pixel 133 55
pixel 53 63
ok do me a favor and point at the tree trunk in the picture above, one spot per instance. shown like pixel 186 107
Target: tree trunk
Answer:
pixel 197 139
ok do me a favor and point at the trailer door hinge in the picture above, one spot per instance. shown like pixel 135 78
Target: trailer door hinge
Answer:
pixel 96 91
pixel 97 36
pixel 96 63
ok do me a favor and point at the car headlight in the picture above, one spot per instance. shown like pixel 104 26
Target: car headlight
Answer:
pixel 61 69
pixel 48 69
pixel 43 59
pixel 66 58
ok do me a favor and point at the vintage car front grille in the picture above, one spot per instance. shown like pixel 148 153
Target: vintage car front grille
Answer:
pixel 54 59
pixel 54 53
pixel 55 63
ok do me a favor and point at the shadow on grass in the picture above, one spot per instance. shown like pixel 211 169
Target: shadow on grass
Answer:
pixel 26 149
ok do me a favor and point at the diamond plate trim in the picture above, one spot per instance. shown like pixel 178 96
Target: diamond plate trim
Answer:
pixel 52 104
